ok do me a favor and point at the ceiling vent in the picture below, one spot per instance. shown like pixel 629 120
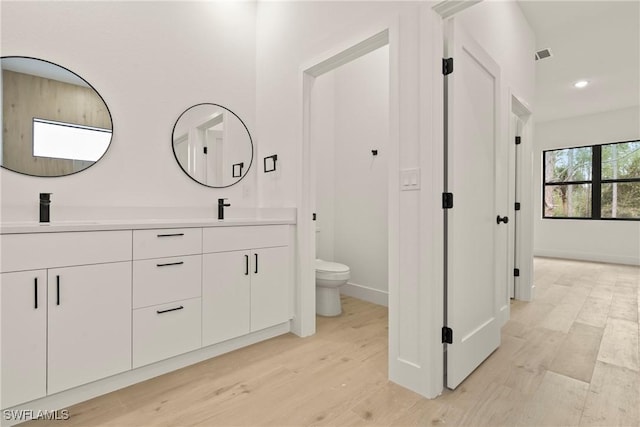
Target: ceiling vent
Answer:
pixel 543 54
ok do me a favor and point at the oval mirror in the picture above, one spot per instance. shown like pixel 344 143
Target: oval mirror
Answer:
pixel 54 123
pixel 212 145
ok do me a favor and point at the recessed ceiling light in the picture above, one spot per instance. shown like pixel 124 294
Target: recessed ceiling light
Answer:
pixel 581 83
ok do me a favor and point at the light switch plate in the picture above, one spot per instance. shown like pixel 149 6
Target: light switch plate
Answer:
pixel 409 179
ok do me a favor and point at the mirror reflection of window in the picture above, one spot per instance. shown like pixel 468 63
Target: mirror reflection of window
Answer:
pixel 54 122
pixel 70 141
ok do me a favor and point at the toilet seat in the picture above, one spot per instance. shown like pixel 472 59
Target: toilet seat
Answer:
pixel 330 267
pixel 331 271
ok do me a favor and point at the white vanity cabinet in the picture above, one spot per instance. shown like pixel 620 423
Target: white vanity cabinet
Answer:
pixel 23 307
pixel 245 280
pixel 86 309
pixel 80 330
pixel 167 286
pixel 89 324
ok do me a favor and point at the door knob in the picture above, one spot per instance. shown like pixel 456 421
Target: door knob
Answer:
pixel 504 219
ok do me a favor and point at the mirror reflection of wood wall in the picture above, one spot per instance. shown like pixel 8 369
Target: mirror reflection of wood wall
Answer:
pixel 25 97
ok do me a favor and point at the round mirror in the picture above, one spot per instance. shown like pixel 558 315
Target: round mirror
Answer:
pixel 212 145
pixel 54 123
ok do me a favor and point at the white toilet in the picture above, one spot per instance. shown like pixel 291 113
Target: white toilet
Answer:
pixel 329 277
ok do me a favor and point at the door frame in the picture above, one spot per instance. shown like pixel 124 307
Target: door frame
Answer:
pixel 523 259
pixel 379 35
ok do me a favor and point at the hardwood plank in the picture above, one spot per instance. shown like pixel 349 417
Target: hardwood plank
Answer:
pixel 613 397
pixel 577 355
pixel 619 344
pixel 624 306
pixel 558 401
pixel 561 317
pixel 594 312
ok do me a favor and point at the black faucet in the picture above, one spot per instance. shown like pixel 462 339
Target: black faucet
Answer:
pixel 221 206
pixel 45 203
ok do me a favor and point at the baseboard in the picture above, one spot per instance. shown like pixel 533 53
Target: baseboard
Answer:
pixel 583 256
pixel 85 392
pixel 365 293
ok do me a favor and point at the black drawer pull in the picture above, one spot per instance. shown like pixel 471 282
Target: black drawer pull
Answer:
pixel 35 292
pixel 246 265
pixel 256 271
pixel 170 263
pixel 170 309
pixel 57 290
pixel 171 235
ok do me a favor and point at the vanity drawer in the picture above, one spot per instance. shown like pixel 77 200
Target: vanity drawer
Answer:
pixel 220 239
pixel 47 250
pixel 159 243
pixel 166 330
pixel 163 280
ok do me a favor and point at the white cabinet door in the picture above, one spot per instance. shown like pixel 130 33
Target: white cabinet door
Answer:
pixel 23 306
pixel 269 287
pixel 89 323
pixel 225 296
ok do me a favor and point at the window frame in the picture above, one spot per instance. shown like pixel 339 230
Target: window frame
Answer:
pixel 596 182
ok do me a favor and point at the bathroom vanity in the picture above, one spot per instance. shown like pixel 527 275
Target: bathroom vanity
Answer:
pixel 90 308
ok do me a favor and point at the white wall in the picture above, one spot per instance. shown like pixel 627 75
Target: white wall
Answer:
pixel 149 61
pixel 323 144
pixel 352 194
pixel 293 36
pixel 605 241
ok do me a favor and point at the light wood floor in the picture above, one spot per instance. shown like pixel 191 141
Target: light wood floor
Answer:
pixel 569 358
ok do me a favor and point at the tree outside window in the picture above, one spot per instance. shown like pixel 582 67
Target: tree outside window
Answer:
pixel 596 182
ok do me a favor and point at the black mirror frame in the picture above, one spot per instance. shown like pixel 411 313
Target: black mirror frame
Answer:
pixel 243 124
pixel 96 92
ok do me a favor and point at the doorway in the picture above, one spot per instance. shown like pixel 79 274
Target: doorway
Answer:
pixel 349 144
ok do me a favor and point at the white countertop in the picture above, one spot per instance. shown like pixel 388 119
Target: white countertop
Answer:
pixel 135 224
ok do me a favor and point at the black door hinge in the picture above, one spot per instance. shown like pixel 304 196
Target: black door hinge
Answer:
pixel 447 66
pixel 314 216
pixel 447 200
pixel 205 150
pixel 518 140
pixel 516 272
pixel 447 335
pixel 517 206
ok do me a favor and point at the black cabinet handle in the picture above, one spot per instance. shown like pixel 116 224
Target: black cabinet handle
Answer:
pixel 246 265
pixel 170 309
pixel 35 293
pixel 57 290
pixel 170 263
pixel 504 219
pixel 256 270
pixel 171 235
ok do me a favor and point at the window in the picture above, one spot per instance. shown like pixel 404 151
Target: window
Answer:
pixel 596 182
pixel 69 141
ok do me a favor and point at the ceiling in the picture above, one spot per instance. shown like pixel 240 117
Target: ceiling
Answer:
pixel 598 41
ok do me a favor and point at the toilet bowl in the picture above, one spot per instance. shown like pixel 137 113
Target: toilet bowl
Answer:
pixel 329 277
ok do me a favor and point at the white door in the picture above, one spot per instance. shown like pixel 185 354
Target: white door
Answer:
pixel 23 305
pixel 472 294
pixel 226 281
pixel 269 287
pixel 89 324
